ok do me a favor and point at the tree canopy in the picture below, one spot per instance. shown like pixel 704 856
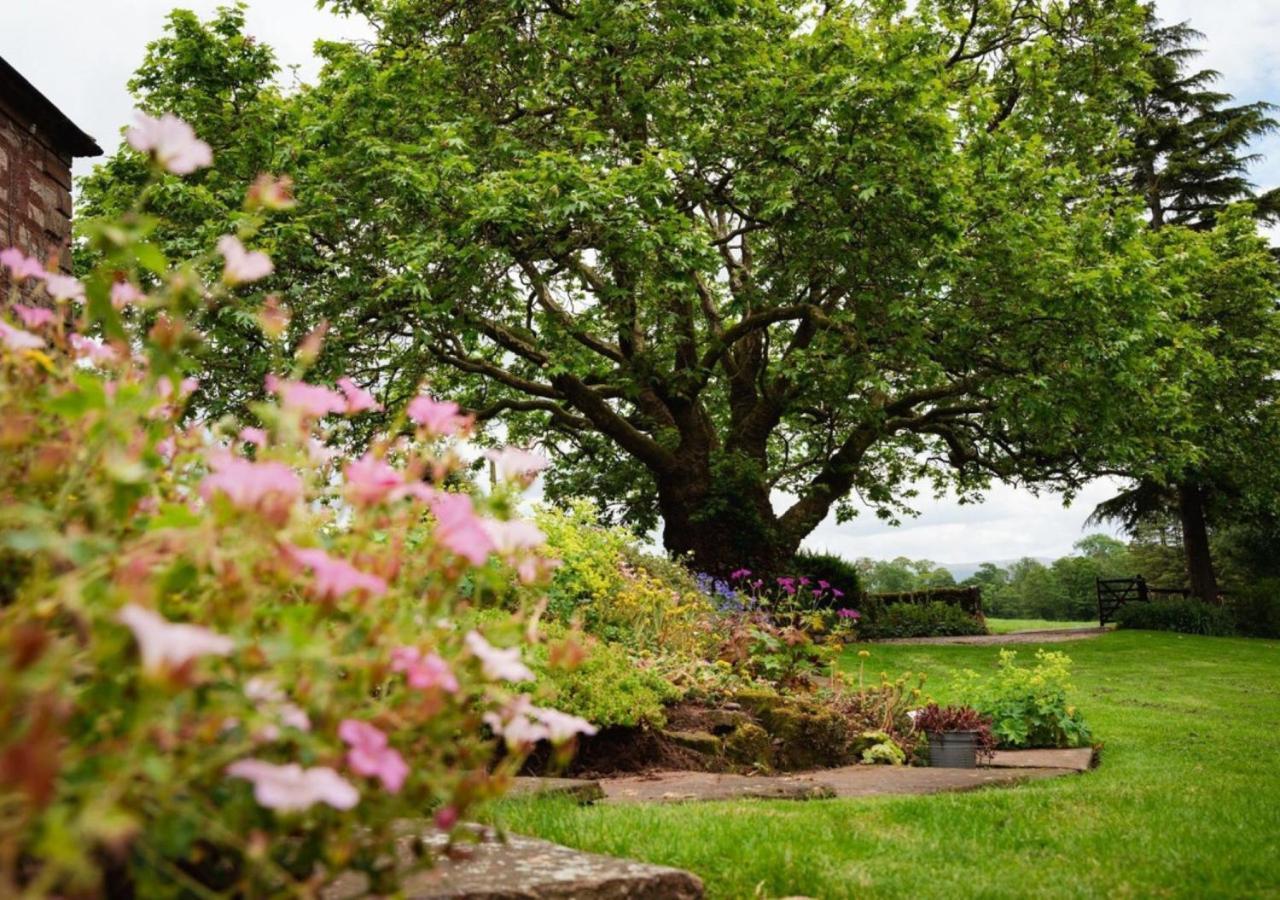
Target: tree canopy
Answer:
pixel 714 253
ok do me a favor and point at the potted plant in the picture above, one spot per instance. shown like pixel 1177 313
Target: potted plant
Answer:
pixel 959 736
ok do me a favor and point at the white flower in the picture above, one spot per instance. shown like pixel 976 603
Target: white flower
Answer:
pixel 514 464
pixel 291 788
pixel 17 339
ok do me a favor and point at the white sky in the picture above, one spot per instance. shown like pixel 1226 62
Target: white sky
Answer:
pixel 80 53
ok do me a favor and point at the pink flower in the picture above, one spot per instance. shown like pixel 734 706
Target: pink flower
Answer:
pixel 458 528
pixel 268 487
pixel 423 672
pixel 164 644
pixel 17 339
pixel 370 480
pixel 358 399
pixel 498 665
pixel 291 788
pixel 20 265
pixel 123 293
pixel 311 400
pixel 34 316
pixel 91 349
pixel 255 436
pixel 370 756
pixel 242 266
pixel 64 287
pixel 334 578
pixel 562 726
pixel 171 142
pixel 265 693
pixel 513 464
pixel 439 417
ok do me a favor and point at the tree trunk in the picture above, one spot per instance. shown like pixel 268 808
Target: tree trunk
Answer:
pixel 1195 543
pixel 721 525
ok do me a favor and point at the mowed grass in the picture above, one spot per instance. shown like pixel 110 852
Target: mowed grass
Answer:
pixel 1186 802
pixel 1009 626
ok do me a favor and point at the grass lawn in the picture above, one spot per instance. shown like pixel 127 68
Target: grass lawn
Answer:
pixel 1185 804
pixel 1008 626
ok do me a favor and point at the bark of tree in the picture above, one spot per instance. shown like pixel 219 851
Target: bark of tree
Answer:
pixel 1195 543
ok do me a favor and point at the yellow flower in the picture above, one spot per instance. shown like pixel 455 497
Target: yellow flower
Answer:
pixel 865 654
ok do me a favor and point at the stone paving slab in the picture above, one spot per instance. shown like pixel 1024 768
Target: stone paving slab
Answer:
pixel 1053 636
pixel 584 790
pixel 849 781
pixel 524 868
pixel 1079 759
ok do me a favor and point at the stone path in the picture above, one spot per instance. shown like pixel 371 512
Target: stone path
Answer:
pixel 523 868
pixel 1053 636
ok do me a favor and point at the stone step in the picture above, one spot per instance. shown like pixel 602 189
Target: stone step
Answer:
pixel 524 868
pixel 584 790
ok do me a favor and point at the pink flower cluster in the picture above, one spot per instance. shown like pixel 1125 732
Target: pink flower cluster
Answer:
pixel 459 528
pixel 242 266
pixel 315 401
pixel 423 673
pixel 291 788
pixel 268 487
pixel 498 665
pixel 166 645
pixel 371 481
pixel 371 756
pixel 333 578
pixel 439 418
pixel 58 286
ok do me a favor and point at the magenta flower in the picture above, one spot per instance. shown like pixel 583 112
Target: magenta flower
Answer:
pixel 358 399
pixel 171 142
pixel 739 574
pixel 170 645
pixel 370 756
pixel 20 265
pixel 34 316
pixel 458 527
pixel 268 487
pixel 498 665
pixel 242 266
pixel 334 578
pixel 64 287
pixel 837 593
pixel 291 788
pixel 439 417
pixel 311 400
pixel 17 339
pixel 514 464
pixel 849 614
pixel 423 672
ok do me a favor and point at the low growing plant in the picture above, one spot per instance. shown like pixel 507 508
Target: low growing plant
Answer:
pixel 1028 707
pixel 935 719
pixel 1183 615
pixel 911 620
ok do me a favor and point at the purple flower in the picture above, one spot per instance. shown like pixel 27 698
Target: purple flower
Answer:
pixel 837 593
pixel 849 614
pixel 824 584
pixel 739 574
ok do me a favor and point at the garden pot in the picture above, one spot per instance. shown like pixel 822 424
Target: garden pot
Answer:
pixel 953 749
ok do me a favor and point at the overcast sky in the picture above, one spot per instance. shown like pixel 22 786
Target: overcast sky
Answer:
pixel 80 53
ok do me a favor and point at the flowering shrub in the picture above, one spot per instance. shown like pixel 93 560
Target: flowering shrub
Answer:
pixel 231 660
pixel 617 592
pixel 1027 706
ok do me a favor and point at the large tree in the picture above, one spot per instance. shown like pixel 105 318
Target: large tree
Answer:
pixel 1189 160
pixel 714 253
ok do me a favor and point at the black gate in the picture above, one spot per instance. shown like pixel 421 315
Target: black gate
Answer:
pixel 1114 593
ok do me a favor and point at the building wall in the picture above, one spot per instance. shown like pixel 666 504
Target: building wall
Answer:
pixel 35 193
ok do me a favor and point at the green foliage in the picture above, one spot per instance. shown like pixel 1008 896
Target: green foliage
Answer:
pixel 1256 609
pixel 1187 616
pixel 901 575
pixel 616 591
pixel 1028 707
pixel 908 620
pixel 835 570
pixel 585 218
pixel 608 687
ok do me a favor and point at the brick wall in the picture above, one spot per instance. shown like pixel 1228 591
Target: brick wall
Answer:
pixel 35 193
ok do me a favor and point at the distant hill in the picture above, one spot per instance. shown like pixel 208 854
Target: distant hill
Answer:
pixel 961 571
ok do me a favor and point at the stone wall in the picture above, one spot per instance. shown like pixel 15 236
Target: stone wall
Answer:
pixel 35 192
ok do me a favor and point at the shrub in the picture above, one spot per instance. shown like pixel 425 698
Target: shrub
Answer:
pixel 1187 616
pixel 230 664
pixel 1027 707
pixel 835 571
pixel 608 686
pixel 618 592
pixel 910 620
pixel 1256 609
